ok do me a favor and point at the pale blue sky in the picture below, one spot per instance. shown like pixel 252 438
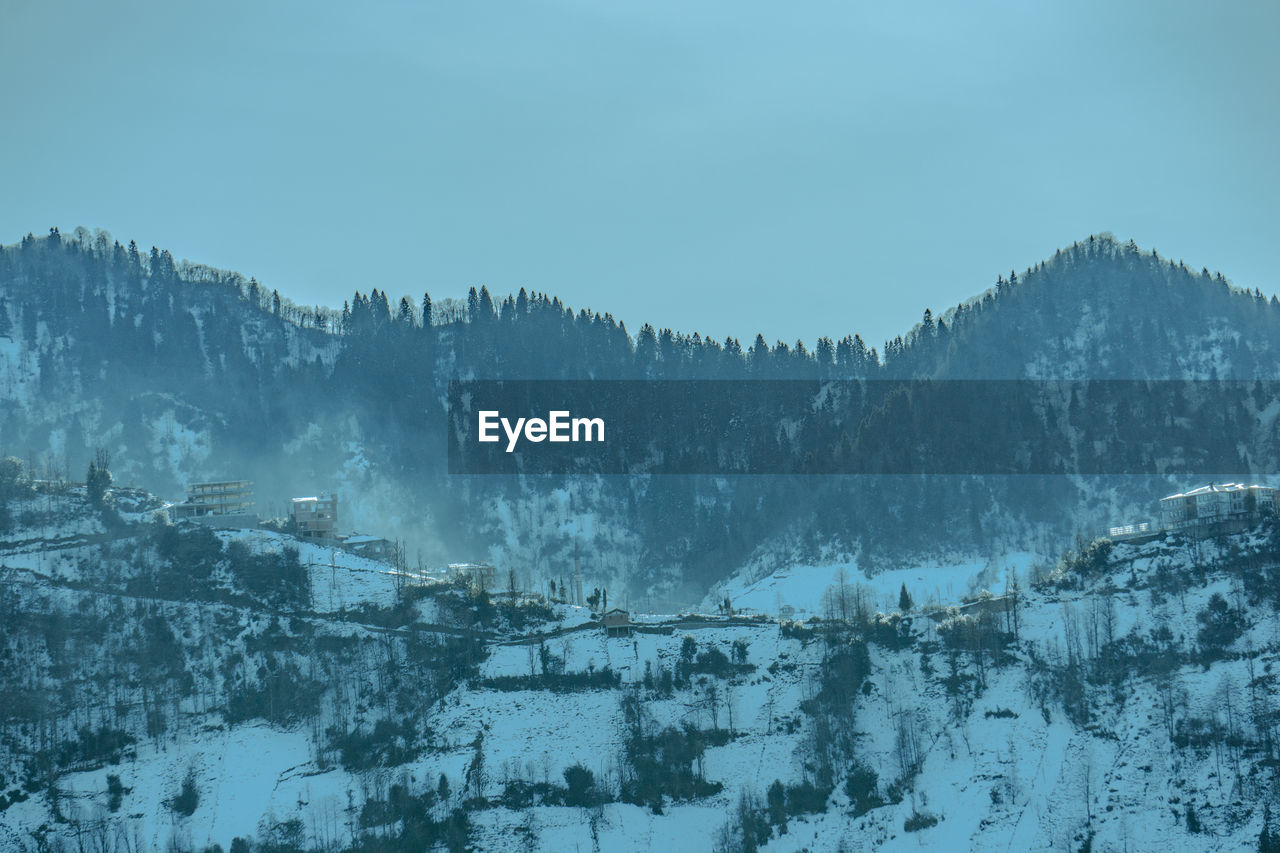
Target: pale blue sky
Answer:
pixel 801 169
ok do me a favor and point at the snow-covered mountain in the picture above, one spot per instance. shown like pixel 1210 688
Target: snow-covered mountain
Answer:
pixel 177 688
pixel 186 373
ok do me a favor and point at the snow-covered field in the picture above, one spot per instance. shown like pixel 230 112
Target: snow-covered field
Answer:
pixel 801 587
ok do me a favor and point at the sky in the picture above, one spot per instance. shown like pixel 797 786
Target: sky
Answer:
pixel 798 169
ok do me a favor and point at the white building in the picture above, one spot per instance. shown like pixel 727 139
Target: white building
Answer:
pixel 1214 503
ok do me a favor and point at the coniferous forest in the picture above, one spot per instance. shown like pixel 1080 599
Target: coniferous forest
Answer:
pixel 185 372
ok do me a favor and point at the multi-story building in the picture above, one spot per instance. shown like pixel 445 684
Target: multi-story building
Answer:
pixel 315 517
pixel 227 503
pixel 1214 503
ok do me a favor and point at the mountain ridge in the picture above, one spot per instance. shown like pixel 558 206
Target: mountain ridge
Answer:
pixel 185 372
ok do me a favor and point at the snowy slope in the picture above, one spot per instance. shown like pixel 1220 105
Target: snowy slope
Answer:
pixel 976 739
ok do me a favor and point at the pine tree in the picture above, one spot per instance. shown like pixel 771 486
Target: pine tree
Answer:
pixel 1268 842
pixel 776 798
pixel 442 789
pixel 1193 820
pixel 98 479
pixel 904 600
pixel 168 269
pixel 826 356
pixel 646 347
pixel 758 356
pixel 360 321
pixel 844 354
pixel 426 311
pixel 801 355
pixel 381 311
pixel 476 778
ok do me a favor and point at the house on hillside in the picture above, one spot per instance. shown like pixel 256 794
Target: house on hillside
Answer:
pixel 617 623
pixel 1215 505
pixel 365 545
pixel 315 518
pixel 477 575
pixel 225 504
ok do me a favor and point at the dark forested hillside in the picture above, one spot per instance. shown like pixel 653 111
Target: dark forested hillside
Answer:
pixel 1107 310
pixel 185 372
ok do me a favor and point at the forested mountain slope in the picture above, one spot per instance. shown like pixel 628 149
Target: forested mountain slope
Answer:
pixel 185 373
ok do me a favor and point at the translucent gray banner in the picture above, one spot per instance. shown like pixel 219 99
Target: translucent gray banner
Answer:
pixel 1094 427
